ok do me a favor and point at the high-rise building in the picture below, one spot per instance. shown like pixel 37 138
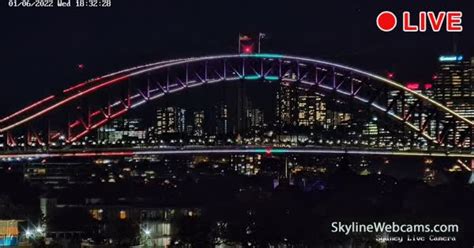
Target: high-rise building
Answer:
pixel 124 129
pixel 189 129
pixel 337 118
pixel 472 70
pixel 135 129
pixel 375 134
pixel 170 120
pixel 221 119
pixel 198 121
pixel 311 110
pixel 242 106
pixel 454 84
pixel 418 87
pixel 255 117
pixel 287 104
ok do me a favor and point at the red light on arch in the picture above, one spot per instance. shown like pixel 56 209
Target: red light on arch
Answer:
pixel 268 151
pixel 247 49
pixel 413 85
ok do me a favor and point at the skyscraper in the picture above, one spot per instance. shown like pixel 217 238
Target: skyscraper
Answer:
pixel 375 134
pixel 311 109
pixel 337 118
pixel 472 70
pixel 454 85
pixel 422 88
pixel 198 123
pixel 255 117
pixel 170 120
pixel 242 106
pixel 221 119
pixel 287 104
pixel 123 129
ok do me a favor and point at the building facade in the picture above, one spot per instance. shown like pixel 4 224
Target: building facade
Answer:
pixel 454 84
pixel 170 120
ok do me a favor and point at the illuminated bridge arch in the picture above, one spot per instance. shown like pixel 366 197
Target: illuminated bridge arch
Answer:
pixel 90 105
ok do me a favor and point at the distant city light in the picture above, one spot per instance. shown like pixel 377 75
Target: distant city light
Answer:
pixel 452 58
pixel 390 75
pixel 413 85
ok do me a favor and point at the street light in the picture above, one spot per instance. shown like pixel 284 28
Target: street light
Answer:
pixel 145 236
pixel 28 233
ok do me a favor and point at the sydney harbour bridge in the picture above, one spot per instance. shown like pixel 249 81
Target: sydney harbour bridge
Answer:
pixel 55 125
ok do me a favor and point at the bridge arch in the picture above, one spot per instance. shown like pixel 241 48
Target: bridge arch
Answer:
pixel 139 85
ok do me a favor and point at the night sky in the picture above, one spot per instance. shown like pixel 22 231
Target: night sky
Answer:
pixel 41 48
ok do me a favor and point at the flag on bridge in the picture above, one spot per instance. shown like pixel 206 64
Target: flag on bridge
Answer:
pixel 244 38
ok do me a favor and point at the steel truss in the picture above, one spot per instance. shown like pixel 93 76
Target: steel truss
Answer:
pixel 90 105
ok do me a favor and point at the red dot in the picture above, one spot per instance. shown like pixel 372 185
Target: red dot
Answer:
pixel 268 151
pixel 386 21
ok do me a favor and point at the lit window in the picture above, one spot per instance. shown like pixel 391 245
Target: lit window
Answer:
pixel 96 213
pixel 123 214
